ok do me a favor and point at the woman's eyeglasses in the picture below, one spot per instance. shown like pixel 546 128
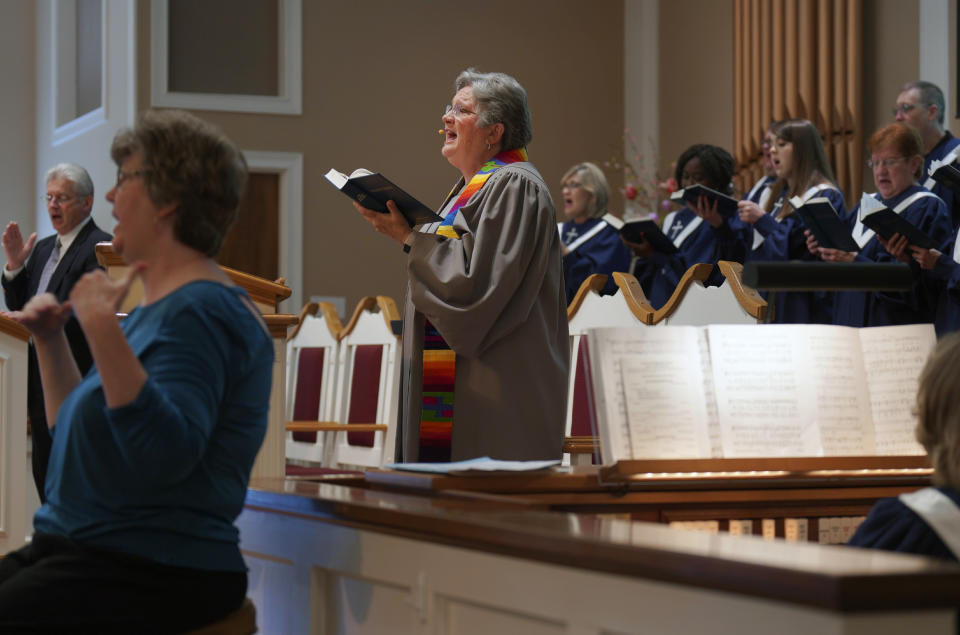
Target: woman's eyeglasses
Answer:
pixel 457 110
pixel 885 163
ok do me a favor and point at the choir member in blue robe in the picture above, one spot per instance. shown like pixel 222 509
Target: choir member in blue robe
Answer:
pixel 896 161
pixel 776 232
pixel 921 105
pixel 926 522
pixel 731 240
pixel 941 276
pixel 696 240
pixel 590 245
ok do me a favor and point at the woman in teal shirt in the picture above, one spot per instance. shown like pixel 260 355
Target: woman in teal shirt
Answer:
pixel 152 449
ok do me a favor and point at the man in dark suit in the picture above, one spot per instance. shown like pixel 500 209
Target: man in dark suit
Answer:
pixel 53 265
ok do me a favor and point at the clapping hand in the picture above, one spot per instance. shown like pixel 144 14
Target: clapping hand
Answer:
pixel 14 248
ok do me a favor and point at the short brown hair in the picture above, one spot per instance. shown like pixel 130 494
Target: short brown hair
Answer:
pixel 938 412
pixel 901 138
pixel 189 162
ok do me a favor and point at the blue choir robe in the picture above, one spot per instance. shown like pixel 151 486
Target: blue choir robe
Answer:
pixel 947 150
pixel 883 308
pixel 734 235
pixel 893 526
pixel 775 238
pixel 696 241
pixel 942 286
pixel 603 252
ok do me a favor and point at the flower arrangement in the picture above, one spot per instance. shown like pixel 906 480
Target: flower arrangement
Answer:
pixel 647 196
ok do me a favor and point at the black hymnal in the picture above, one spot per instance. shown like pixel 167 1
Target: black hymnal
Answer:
pixel 945 174
pixel 819 216
pixel 636 231
pixel 726 205
pixel 887 222
pixel 374 190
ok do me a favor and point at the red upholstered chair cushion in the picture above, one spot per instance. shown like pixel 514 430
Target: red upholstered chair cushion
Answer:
pixel 582 413
pixel 306 402
pixel 364 391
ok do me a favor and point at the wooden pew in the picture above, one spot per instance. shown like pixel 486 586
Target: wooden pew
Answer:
pixel 472 560
pixel 266 295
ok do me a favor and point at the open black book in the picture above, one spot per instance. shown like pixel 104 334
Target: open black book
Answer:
pixel 726 205
pixel 887 222
pixel 819 216
pixel 636 231
pixel 374 190
pixel 945 174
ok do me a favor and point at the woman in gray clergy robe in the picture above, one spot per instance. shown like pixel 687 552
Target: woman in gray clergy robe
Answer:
pixel 485 339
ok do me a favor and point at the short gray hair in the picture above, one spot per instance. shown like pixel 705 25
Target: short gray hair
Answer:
pixel 82 184
pixel 501 99
pixel 592 180
pixel 930 94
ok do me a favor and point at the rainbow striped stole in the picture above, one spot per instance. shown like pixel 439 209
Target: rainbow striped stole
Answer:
pixel 491 166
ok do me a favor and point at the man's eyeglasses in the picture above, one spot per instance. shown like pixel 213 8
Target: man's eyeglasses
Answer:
pixel 885 163
pixel 902 109
pixel 59 199
pixel 457 110
pixel 122 176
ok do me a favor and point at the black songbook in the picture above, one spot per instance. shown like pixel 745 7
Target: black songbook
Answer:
pixel 946 174
pixel 726 205
pixel 887 222
pixel 819 216
pixel 636 231
pixel 373 190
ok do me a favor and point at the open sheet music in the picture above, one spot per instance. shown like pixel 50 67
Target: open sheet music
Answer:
pixel 757 390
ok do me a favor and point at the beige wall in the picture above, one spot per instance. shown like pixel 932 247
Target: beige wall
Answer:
pixel 696 77
pixel 17 117
pixel 376 76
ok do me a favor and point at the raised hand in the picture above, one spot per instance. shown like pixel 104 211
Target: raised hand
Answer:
pixel 14 248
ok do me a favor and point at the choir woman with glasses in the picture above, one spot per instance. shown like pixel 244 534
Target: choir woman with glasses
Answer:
pixel 896 158
pixel 485 338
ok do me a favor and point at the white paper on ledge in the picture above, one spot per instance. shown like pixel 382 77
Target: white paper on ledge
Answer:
pixel 483 464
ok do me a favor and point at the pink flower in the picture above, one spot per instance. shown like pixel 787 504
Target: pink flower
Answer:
pixel 665 205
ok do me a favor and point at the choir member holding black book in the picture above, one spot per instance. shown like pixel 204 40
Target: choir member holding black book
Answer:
pixel 896 160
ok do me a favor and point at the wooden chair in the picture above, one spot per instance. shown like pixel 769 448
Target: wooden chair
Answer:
pixel 627 307
pixel 694 304
pixel 368 376
pixel 243 621
pixel 313 350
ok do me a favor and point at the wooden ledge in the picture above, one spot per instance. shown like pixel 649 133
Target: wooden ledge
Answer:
pixel 333 426
pixel 748 297
pixel 696 273
pixel 14 329
pixel 634 296
pixel 388 310
pixel 593 283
